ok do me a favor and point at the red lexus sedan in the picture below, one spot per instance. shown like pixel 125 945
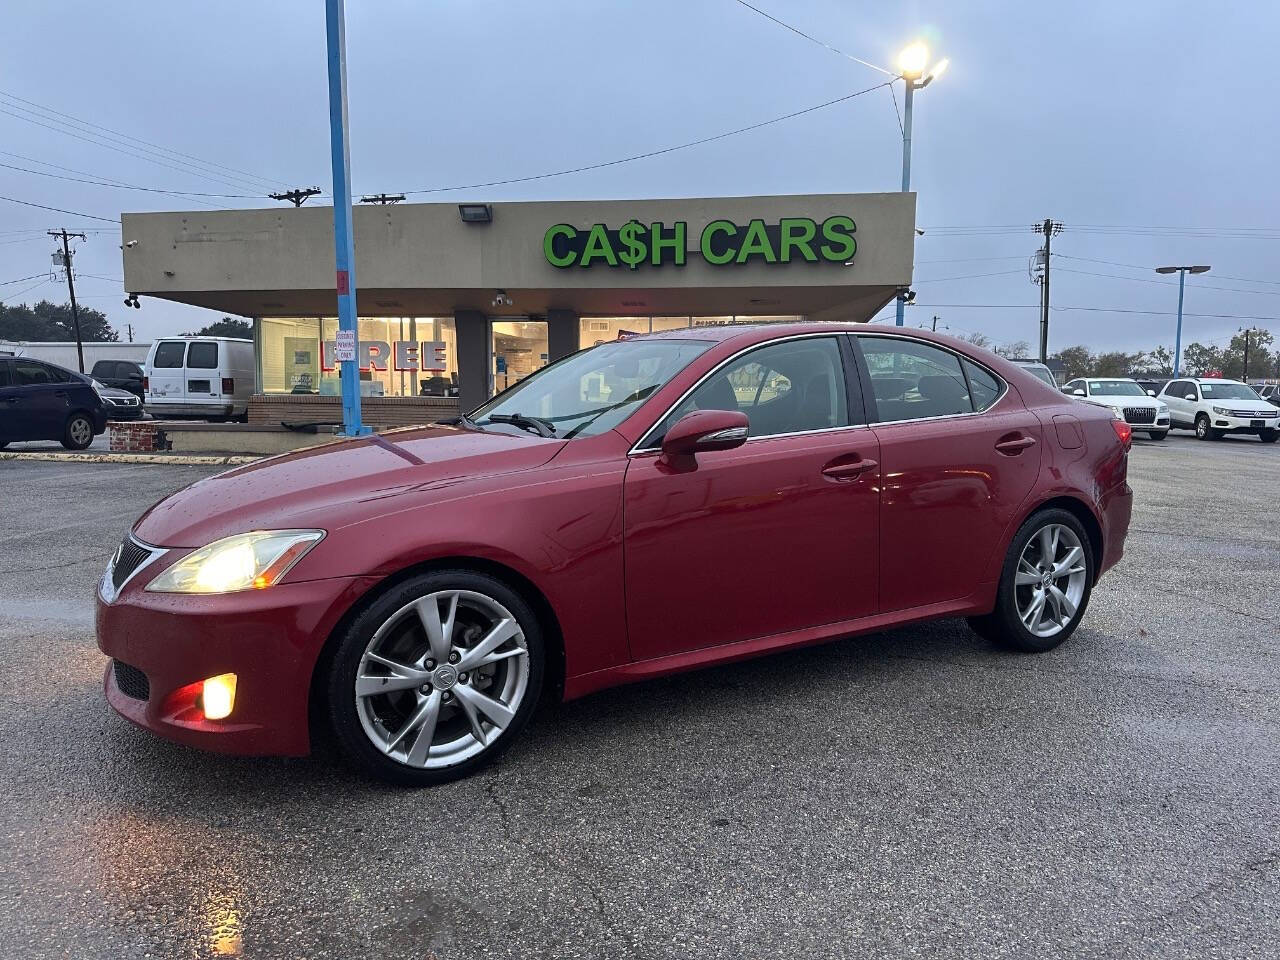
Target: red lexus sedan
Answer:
pixel 636 509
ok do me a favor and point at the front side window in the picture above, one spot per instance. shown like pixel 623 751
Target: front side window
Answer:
pixel 203 356
pixel 4 374
pixel 914 381
pixel 591 391
pixel 169 355
pixel 28 373
pixel 795 386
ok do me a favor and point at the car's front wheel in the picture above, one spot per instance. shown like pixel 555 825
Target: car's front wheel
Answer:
pixel 1269 436
pixel 436 677
pixel 1158 434
pixel 78 433
pixel 1204 430
pixel 1044 585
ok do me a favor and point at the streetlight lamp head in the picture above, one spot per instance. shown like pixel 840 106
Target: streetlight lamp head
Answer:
pixel 1200 269
pixel 913 60
pixel 1166 269
pixel 939 68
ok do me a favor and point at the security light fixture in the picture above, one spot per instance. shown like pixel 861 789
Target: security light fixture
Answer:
pixel 132 301
pixel 500 299
pixel 475 212
pixel 1197 269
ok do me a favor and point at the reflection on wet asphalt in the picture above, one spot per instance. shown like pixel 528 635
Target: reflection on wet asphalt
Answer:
pixel 909 794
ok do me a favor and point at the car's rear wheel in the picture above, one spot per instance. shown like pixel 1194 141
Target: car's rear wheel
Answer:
pixel 1044 585
pixel 1158 434
pixel 436 677
pixel 78 433
pixel 1204 429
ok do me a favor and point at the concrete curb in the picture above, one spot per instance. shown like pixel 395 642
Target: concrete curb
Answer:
pixel 176 459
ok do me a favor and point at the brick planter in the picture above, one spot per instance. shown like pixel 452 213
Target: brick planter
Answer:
pixel 136 437
pixel 377 411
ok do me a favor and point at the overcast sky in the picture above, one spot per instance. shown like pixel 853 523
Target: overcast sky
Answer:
pixel 1103 115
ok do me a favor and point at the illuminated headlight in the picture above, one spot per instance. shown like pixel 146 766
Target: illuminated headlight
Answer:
pixel 247 561
pixel 1221 411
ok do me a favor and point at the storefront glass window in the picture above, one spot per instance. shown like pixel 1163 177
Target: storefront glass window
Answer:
pixel 517 348
pixel 399 356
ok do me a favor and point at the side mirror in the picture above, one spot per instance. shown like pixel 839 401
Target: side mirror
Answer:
pixel 704 430
pixel 1151 393
pixel 1191 397
pixel 1078 392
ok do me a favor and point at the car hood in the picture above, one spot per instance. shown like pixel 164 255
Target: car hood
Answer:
pixel 1259 406
pixel 331 485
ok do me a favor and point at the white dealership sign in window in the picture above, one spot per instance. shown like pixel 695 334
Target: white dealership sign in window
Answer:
pixel 406 355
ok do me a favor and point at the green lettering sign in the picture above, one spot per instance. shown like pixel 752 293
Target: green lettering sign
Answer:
pixel 561 231
pixel 709 233
pixel 838 232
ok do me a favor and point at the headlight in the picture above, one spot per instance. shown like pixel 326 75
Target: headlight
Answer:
pixel 98 387
pixel 1162 408
pixel 247 561
pixel 1220 411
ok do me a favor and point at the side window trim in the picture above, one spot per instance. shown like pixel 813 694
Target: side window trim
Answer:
pixel 864 373
pixel 643 445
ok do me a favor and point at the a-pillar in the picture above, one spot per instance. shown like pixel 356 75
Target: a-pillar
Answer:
pixel 471 330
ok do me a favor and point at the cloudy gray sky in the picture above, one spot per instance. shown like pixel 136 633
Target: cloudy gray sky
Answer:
pixel 1145 127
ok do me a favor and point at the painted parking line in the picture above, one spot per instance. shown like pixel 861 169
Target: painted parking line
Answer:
pixel 176 459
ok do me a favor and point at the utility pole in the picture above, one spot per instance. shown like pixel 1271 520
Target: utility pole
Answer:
pixel 1050 229
pixel 296 197
pixel 129 328
pixel 935 323
pixel 383 198
pixel 71 287
pixel 1246 331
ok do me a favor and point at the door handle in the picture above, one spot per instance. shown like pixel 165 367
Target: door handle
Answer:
pixel 1015 445
pixel 837 470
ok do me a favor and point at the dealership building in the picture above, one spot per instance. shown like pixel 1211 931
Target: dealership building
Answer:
pixel 458 301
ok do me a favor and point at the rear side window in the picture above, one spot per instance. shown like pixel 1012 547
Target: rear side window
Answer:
pixel 203 356
pixel 4 373
pixel 983 387
pixel 169 355
pixel 911 380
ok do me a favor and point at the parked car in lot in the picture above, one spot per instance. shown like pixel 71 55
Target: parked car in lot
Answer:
pixel 1127 399
pixel 1151 388
pixel 741 490
pixel 121 374
pixel 42 401
pixel 1214 407
pixel 1039 370
pixel 200 377
pixel 1269 392
pixel 120 404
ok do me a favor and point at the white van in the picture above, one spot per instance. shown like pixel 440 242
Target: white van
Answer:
pixel 205 377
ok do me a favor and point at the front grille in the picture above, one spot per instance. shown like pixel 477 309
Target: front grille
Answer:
pixel 1140 414
pixel 131 681
pixel 1249 414
pixel 129 557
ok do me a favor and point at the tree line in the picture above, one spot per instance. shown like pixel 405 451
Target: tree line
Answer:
pixel 48 322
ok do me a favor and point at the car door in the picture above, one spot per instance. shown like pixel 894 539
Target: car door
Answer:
pixel 40 400
pixel 774 536
pixel 168 376
pixel 1181 410
pixel 9 401
pixel 959 453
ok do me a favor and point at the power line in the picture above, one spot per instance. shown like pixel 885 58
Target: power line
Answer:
pixel 5 283
pixel 1172 283
pixel 1137 266
pixel 812 39
pixel 14 296
pixel 147 143
pixel 129 186
pixel 968 276
pixel 650 153
pixel 74 213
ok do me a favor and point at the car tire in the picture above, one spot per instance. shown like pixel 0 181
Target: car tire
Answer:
pixel 1266 436
pixel 1014 623
pixel 1158 434
pixel 1204 431
pixel 384 686
pixel 78 433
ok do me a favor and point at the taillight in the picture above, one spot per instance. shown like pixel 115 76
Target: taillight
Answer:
pixel 228 385
pixel 146 384
pixel 1124 432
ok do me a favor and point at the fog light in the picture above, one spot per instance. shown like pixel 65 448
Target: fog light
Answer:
pixel 218 696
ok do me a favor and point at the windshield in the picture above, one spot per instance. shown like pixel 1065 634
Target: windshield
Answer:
pixel 1228 391
pixel 1116 388
pixel 591 391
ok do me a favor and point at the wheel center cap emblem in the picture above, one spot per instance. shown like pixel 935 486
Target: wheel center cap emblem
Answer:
pixel 444 677
pixel 1045 581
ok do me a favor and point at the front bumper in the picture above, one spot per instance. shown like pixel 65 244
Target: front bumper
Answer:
pixel 1232 424
pixel 161 409
pixel 269 638
pixel 124 412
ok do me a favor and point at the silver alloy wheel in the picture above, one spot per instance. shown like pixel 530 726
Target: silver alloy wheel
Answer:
pixel 1050 580
pixel 442 678
pixel 81 431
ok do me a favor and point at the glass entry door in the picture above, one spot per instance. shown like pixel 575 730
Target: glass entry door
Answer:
pixel 516 349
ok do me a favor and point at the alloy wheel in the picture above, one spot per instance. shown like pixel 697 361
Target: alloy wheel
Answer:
pixel 1050 581
pixel 81 432
pixel 442 678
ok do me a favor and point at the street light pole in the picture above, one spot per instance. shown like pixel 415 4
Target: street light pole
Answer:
pixel 1182 281
pixel 343 233
pixel 912 63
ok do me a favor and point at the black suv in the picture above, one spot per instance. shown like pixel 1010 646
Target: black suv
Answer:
pixel 42 401
pixel 121 374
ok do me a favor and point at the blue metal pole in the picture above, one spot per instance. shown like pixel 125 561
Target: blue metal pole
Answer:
pixel 1177 343
pixel 343 234
pixel 906 169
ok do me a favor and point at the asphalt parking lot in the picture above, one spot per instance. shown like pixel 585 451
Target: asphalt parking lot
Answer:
pixel 914 793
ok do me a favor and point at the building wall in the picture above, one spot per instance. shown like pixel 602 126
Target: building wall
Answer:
pixel 64 354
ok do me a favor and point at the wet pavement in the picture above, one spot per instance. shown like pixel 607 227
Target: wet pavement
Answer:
pixel 914 793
